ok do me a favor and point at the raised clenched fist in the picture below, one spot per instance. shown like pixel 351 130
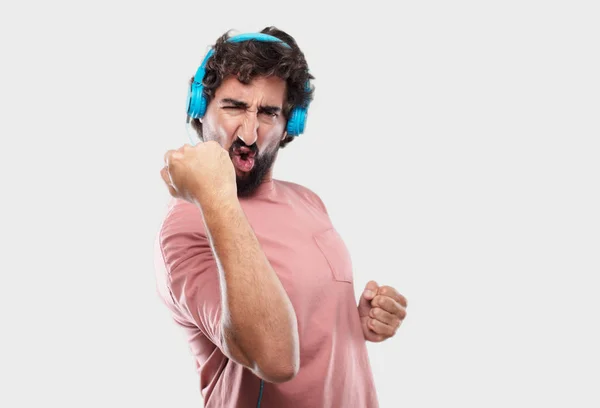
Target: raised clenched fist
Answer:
pixel 200 174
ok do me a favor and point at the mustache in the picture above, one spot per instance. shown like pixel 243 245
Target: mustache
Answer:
pixel 239 143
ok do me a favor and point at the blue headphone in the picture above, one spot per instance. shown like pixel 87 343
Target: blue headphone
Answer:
pixel 197 103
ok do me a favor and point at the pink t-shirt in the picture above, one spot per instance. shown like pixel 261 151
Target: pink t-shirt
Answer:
pixel 313 265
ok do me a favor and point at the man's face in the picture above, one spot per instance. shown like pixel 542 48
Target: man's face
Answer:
pixel 248 121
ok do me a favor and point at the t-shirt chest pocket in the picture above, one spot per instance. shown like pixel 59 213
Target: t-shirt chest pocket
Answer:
pixel 334 250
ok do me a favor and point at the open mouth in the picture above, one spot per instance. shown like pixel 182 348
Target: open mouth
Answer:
pixel 243 159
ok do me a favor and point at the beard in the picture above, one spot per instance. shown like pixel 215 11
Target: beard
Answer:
pixel 263 161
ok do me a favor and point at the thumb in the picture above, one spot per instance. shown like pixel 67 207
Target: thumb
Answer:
pixel 364 305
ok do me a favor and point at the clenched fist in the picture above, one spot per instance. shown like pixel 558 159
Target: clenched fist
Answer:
pixel 382 310
pixel 201 173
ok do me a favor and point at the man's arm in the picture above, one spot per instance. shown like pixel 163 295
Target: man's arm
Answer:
pixel 259 326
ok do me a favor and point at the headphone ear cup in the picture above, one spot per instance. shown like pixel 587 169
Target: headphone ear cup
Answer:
pixel 196 101
pixel 297 121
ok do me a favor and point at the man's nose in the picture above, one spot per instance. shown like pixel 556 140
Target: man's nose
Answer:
pixel 248 131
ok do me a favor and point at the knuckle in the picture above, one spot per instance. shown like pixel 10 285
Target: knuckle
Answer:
pixel 375 301
pixel 385 302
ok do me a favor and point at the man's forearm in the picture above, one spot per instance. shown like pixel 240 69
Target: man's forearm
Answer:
pixel 257 316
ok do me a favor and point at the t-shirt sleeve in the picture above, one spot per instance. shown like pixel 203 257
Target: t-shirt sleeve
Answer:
pixel 193 277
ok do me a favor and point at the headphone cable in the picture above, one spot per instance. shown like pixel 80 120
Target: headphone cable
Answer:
pixel 262 384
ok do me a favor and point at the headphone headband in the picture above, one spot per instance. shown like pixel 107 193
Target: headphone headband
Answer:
pixel 262 37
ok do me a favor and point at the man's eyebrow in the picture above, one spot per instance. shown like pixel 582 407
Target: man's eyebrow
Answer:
pixel 234 102
pixel 244 105
pixel 270 109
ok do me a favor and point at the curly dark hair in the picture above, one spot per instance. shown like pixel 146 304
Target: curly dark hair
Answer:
pixel 249 59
